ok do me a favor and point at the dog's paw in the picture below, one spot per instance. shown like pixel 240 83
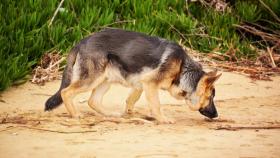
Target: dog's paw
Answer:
pixel 129 112
pixel 78 116
pixel 165 120
pixel 114 114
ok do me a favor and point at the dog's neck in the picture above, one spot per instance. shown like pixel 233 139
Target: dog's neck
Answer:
pixel 191 73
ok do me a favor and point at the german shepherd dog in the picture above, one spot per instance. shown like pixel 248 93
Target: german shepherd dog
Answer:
pixel 142 62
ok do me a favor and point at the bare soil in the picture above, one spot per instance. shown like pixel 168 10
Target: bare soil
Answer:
pixel 27 131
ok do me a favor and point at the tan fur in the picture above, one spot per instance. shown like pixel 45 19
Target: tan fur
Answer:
pixel 154 81
pixel 204 88
pixel 132 99
pixel 151 91
pixel 69 93
pixel 140 62
pixel 176 92
pixel 151 81
pixel 95 100
pixel 169 77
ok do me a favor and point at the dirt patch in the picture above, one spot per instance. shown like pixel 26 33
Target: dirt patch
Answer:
pixel 26 130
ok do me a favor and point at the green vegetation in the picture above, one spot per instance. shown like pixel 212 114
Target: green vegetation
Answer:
pixel 25 35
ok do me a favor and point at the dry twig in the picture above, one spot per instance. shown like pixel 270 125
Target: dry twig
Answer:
pixel 119 22
pixel 271 12
pixel 260 69
pixel 55 13
pixel 235 128
pixel 123 120
pixel 218 5
pixel 48 69
pixel 269 50
pixel 272 38
pixel 157 155
pixel 53 131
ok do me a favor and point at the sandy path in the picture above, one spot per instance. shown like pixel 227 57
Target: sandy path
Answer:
pixel 240 102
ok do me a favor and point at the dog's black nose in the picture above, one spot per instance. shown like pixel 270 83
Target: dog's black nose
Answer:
pixel 209 113
pixel 214 115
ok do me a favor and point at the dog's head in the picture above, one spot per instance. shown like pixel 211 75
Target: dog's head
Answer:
pixel 202 99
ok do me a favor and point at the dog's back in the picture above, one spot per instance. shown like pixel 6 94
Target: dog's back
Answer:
pixel 130 49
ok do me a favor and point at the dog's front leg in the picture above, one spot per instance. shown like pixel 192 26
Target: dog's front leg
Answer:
pixel 132 99
pixel 151 92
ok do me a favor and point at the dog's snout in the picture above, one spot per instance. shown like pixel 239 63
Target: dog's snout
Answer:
pixel 215 115
pixel 209 111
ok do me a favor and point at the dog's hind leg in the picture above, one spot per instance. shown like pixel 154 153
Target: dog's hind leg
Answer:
pixel 78 86
pixel 69 93
pixel 95 100
pixel 132 99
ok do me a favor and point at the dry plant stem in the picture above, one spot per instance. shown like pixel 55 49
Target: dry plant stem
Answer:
pixel 119 22
pixel 34 77
pixel 7 128
pixel 273 38
pixel 206 36
pixel 122 120
pixel 269 50
pixel 56 63
pixel 41 75
pixel 236 68
pixel 49 130
pixel 271 12
pixel 114 120
pixel 243 66
pixel 230 128
pixel 264 28
pixel 157 155
pixel 55 13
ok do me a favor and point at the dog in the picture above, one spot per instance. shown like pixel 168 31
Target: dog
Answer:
pixel 142 62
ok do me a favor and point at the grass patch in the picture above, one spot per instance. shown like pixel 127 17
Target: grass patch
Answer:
pixel 25 35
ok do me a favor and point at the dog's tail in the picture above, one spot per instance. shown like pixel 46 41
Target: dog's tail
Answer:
pixel 55 100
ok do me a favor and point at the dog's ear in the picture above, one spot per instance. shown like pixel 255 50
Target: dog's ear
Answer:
pixel 212 73
pixel 212 77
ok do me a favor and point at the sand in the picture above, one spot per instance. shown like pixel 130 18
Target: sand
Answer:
pixel 27 131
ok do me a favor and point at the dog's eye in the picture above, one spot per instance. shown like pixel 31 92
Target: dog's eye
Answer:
pixel 213 92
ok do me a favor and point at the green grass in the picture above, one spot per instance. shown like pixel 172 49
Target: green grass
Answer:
pixel 25 35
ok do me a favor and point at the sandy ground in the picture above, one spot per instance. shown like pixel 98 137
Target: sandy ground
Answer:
pixel 27 131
